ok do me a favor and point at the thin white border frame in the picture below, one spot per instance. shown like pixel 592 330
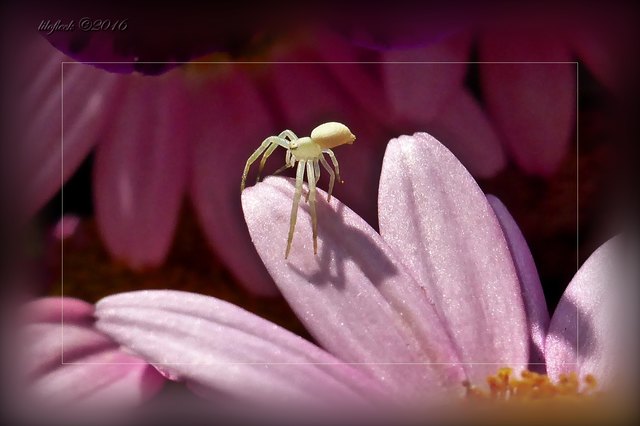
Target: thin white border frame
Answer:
pixel 62 63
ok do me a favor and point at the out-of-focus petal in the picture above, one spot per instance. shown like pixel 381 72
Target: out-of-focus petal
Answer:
pixel 418 91
pixel 534 302
pixel 141 168
pixel 583 331
pixel 533 104
pixel 469 134
pixel 233 121
pixel 57 309
pixel 51 144
pixel 354 296
pixel 354 78
pixel 439 222
pixel 71 366
pixel 598 53
pixel 219 347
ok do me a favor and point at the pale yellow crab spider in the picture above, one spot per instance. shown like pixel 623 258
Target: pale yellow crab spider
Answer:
pixel 309 153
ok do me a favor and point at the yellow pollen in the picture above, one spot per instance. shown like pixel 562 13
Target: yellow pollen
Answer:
pixel 504 386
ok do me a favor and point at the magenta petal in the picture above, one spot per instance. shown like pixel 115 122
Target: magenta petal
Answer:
pixel 49 310
pixel 72 365
pixel 356 79
pixel 534 302
pixel 234 121
pixel 140 170
pixel 439 222
pixel 218 347
pixel 583 331
pixel 88 96
pixel 598 52
pixel 468 133
pixel 354 296
pixel 533 104
pixel 417 91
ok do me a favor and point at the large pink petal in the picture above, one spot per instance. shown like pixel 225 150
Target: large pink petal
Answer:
pixel 417 91
pixel 463 125
pixel 70 366
pixel 354 296
pixel 439 222
pixel 586 325
pixel 140 170
pixel 219 347
pixel 43 133
pixel 534 302
pixel 533 104
pixel 232 121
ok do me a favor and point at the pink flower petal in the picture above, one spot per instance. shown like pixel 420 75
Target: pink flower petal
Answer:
pixel 598 52
pixel 140 170
pixel 233 121
pixel 88 96
pixel 218 347
pixel 73 367
pixel 354 296
pixel 355 79
pixel 533 104
pixel 585 326
pixel 106 378
pixel 534 302
pixel 50 310
pixel 469 134
pixel 439 222
pixel 418 91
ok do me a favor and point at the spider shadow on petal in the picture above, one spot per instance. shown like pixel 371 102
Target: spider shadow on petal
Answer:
pixel 343 243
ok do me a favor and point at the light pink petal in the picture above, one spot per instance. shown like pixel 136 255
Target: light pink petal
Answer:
pixel 141 168
pixel 72 366
pixel 106 378
pixel 533 104
pixel 439 222
pixel 585 327
pixel 534 302
pixel 231 122
pixel 44 134
pixel 354 296
pixel 466 130
pixel 418 91
pixel 220 348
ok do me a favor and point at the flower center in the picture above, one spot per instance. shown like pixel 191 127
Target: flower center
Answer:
pixel 504 386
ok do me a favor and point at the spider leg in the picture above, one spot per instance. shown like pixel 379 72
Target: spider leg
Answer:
pixel 263 160
pixel 334 160
pixel 316 170
pixel 294 207
pixel 288 134
pixel 311 178
pixel 265 144
pixel 332 176
pixel 287 163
